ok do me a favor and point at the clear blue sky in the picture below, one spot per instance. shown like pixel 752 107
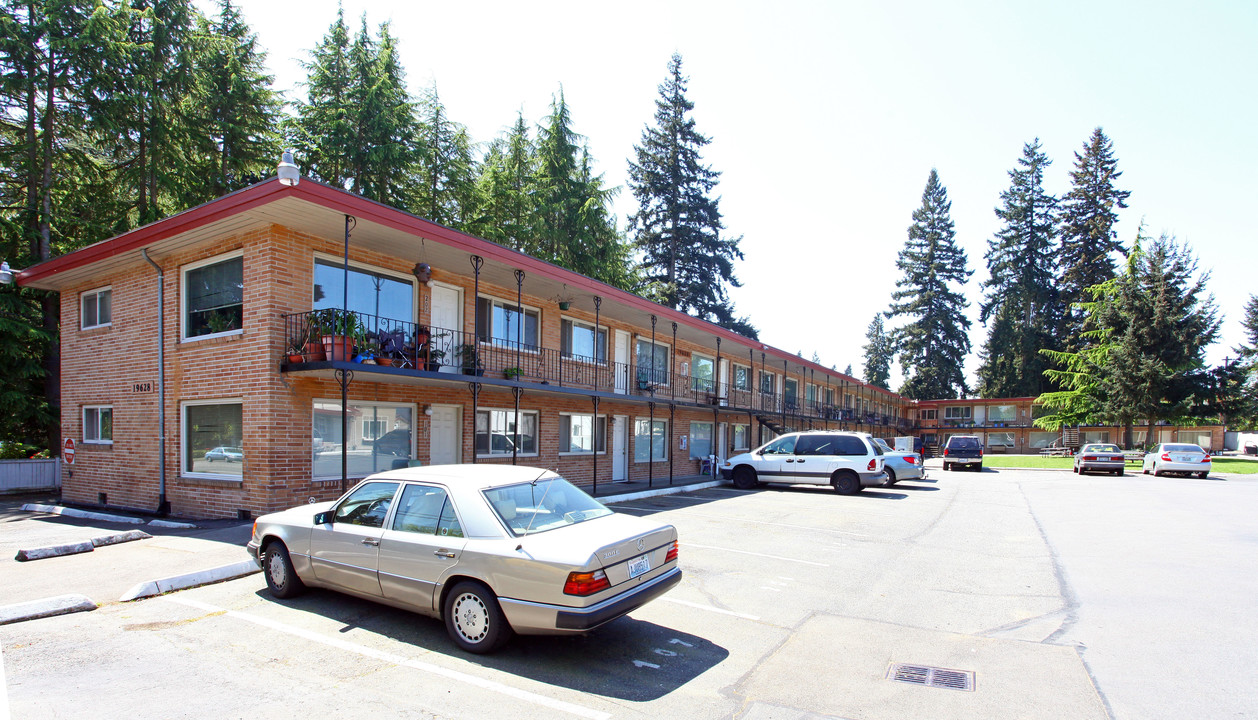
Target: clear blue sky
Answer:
pixel 826 118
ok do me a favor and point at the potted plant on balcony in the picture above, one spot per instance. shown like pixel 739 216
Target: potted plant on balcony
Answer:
pixel 512 373
pixel 337 330
pixel 468 360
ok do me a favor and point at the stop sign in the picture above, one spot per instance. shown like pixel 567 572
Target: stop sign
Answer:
pixel 67 451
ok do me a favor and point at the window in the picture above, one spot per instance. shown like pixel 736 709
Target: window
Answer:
pixel 652 363
pixel 791 391
pixel 579 340
pixel 1040 439
pixel 506 323
pixel 496 432
pixel 426 510
pixel 1000 439
pixel 650 440
pixel 1002 413
pixel 1098 436
pixel 1200 439
pixel 97 308
pixel 830 397
pixel 214 294
pixel 702 373
pixel 367 506
pixel 98 424
pixel 742 436
pixel 781 446
pixel 212 434
pixel 372 293
pixel 957 413
pixel 582 433
pixel 379 436
pixel 929 414
pixel 767 382
pixel 742 378
pixel 700 440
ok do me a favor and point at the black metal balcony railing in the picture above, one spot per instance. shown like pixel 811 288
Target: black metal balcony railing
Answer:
pixel 419 348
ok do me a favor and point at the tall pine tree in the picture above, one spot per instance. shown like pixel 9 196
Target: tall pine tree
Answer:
pixel 687 262
pixel 445 188
pixel 879 352
pixel 934 339
pixel 1089 243
pixel 505 207
pixel 1022 306
pixel 324 130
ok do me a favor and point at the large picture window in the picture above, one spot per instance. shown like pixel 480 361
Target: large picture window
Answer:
pixel 1002 413
pixel 96 308
pixel 380 437
pixel 98 424
pixel 212 434
pixel 214 295
pixel 653 361
pixel 505 323
pixel 582 433
pixel 650 440
pixel 582 341
pixel 958 413
pixel 496 432
pixel 372 294
pixel 702 373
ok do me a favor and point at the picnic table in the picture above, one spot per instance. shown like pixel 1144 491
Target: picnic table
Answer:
pixel 1056 451
pixel 1133 456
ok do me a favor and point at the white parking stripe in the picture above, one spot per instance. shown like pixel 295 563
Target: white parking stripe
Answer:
pixel 396 659
pixel 748 552
pixel 743 520
pixel 709 608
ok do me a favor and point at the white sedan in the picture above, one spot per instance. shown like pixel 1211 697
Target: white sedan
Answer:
pixel 1177 458
pixel 491 549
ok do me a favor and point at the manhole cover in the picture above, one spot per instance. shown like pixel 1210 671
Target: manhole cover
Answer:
pixel 932 676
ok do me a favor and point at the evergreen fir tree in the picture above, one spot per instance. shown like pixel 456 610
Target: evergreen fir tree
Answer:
pixel 388 125
pixel 324 130
pixel 879 352
pixel 445 188
pixel 1021 294
pixel 934 340
pixel 1089 242
pixel 235 113
pixel 505 207
pixel 687 263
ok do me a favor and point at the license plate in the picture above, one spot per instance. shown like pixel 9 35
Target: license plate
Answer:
pixel 640 565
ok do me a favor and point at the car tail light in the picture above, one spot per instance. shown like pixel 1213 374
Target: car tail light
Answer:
pixel 1166 457
pixel 945 452
pixel 910 459
pixel 1088 457
pixel 672 553
pixel 873 465
pixel 586 583
pixel 1205 459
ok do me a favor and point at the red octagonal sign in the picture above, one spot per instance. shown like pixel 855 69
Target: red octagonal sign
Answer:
pixel 67 451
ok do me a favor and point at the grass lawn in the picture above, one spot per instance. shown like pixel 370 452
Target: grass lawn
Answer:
pixel 1218 464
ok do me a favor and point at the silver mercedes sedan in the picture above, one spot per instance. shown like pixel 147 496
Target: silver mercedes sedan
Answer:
pixel 491 549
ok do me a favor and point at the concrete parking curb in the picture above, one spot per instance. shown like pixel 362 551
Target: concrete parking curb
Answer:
pixel 182 582
pixel 47 607
pixel 86 515
pixel 80 547
pixel 655 492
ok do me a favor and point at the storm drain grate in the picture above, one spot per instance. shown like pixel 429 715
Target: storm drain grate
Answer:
pixel 932 676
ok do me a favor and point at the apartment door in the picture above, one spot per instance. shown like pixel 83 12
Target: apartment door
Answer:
pixel 722 442
pixel 620 448
pixel 621 362
pixel 445 435
pixel 447 324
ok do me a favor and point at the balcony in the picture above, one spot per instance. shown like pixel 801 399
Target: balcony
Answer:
pixel 401 351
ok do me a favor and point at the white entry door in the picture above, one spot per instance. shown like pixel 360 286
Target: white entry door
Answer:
pixel 445 437
pixel 621 361
pixel 620 448
pixel 722 442
pixel 447 324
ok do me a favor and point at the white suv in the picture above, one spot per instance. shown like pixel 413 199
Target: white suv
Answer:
pixel 846 460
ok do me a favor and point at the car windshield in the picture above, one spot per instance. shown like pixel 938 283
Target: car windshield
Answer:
pixel 542 505
pixel 1102 448
pixel 883 445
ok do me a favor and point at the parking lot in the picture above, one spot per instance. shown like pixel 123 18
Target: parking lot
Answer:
pixel 1061 596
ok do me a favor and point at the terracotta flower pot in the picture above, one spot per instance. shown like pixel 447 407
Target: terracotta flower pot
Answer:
pixel 313 352
pixel 338 347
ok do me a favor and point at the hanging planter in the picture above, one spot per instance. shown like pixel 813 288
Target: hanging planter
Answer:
pixel 565 304
pixel 564 299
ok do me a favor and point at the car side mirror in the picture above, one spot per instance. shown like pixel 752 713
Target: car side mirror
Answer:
pixel 324 518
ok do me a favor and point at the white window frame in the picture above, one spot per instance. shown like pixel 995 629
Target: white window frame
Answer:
pixel 183 437
pixel 328 259
pixel 966 412
pixel 356 403
pixel 746 436
pixel 773 382
pixel 597 420
pixel 537 423
pixel 573 322
pixel 734 377
pixel 694 379
pixel 650 438
pixel 525 310
pixel 94 438
pixel 711 439
pixel 663 377
pixel 183 295
pixel 97 293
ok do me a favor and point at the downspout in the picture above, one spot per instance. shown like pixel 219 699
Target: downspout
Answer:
pixel 163 506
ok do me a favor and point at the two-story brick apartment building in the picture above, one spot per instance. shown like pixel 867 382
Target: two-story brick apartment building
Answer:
pixel 203 370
